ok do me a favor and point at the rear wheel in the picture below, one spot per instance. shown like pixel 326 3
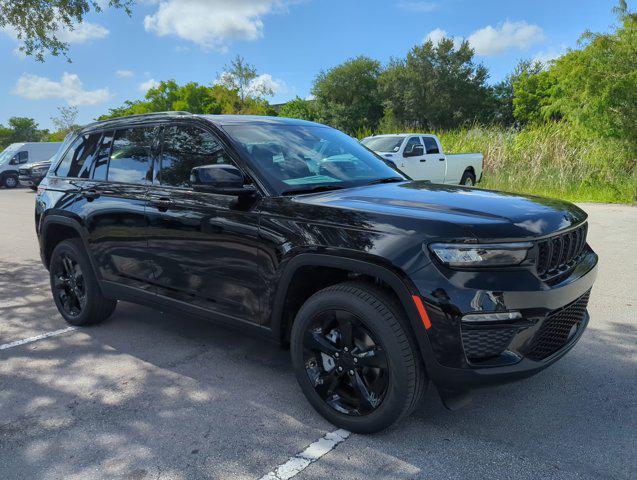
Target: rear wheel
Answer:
pixel 75 289
pixel 355 359
pixel 10 181
pixel 468 179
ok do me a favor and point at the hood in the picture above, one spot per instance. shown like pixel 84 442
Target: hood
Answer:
pixel 487 214
pixel 45 163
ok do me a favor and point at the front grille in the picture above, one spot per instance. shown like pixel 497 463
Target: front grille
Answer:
pixel 24 171
pixel 558 254
pixel 484 343
pixel 557 329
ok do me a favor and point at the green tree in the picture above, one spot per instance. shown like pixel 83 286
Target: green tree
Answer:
pixel 347 96
pixel 241 76
pixel 300 108
pixel 596 86
pixel 37 23
pixel 25 130
pixel 437 87
pixel 504 92
pixel 533 97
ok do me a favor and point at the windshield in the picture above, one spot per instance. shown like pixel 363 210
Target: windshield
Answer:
pixel 298 157
pixel 9 152
pixel 383 144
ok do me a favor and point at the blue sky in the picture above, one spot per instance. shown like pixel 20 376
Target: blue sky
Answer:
pixel 116 57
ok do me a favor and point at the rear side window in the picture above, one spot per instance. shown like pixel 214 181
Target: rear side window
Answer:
pixel 78 159
pixel 100 164
pixel 184 148
pixel 131 155
pixel 431 146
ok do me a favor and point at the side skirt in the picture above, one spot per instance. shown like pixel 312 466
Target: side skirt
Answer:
pixel 160 302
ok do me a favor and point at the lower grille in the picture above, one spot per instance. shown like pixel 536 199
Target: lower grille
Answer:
pixel 484 343
pixel 557 329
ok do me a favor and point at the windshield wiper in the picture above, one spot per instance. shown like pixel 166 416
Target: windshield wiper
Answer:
pixel 316 188
pixel 386 180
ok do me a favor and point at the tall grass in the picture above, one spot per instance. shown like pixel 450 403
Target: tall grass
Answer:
pixel 552 160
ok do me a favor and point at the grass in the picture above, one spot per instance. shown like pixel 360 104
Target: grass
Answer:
pixel 550 160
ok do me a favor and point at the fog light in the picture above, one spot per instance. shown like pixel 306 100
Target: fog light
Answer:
pixel 491 317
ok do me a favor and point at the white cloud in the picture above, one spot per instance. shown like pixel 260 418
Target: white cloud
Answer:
pixel 124 73
pixel 550 54
pixel 438 34
pixel 148 84
pixel 493 41
pixel 69 88
pixel 418 6
pixel 265 80
pixel 210 23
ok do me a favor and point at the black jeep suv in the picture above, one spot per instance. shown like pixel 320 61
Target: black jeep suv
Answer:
pixel 377 283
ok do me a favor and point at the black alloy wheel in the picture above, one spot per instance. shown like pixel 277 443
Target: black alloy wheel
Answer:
pixel 345 363
pixel 74 286
pixel 355 357
pixel 69 285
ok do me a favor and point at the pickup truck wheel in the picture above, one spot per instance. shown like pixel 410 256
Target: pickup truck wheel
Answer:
pixel 74 286
pixel 354 357
pixel 468 179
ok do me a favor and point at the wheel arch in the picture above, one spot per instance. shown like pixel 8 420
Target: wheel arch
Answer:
pixel 400 287
pixel 57 228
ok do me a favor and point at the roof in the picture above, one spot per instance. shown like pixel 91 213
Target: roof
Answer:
pixel 219 120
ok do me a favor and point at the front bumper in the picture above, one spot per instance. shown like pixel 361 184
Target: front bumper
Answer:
pixel 30 180
pixel 457 361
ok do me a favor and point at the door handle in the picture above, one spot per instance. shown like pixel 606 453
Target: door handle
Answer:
pixel 423 160
pixel 90 195
pixel 162 204
pixel 441 159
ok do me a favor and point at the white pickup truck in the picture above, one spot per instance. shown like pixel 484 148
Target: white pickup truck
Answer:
pixel 421 157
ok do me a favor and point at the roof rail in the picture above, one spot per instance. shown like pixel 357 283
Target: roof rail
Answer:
pixel 138 115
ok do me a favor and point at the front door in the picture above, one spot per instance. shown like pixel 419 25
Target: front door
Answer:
pixel 203 245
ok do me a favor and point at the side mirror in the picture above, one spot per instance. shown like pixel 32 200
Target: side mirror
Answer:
pixel 416 151
pixel 223 179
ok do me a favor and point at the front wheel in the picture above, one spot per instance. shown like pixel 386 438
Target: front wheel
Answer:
pixel 10 181
pixel 355 359
pixel 74 286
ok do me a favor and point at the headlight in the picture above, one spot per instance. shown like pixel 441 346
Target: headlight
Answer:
pixel 486 255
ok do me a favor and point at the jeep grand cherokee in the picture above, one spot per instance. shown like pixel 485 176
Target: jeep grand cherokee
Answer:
pixel 378 284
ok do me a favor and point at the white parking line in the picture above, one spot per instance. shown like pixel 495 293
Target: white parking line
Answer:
pixel 312 453
pixel 17 343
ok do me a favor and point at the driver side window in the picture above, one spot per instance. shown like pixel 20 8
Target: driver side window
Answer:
pixel 185 149
pixel 411 143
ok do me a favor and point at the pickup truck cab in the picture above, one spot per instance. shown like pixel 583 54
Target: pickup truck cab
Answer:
pixel 421 157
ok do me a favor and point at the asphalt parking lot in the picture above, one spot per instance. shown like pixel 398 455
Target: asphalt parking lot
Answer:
pixel 148 395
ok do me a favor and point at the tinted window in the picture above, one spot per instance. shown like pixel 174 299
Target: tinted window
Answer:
pixel 185 148
pixel 430 145
pixel 411 143
pixel 100 164
pixel 131 155
pixel 78 159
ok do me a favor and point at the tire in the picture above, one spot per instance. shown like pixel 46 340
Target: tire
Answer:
pixel 10 181
pixel 77 295
pixel 468 179
pixel 370 310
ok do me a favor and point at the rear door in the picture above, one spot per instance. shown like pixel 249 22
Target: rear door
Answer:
pixel 115 199
pixel 203 245
pixel 435 160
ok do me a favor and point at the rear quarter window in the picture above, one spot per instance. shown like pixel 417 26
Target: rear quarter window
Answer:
pixel 78 159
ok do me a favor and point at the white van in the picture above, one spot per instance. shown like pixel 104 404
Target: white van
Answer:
pixel 18 154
